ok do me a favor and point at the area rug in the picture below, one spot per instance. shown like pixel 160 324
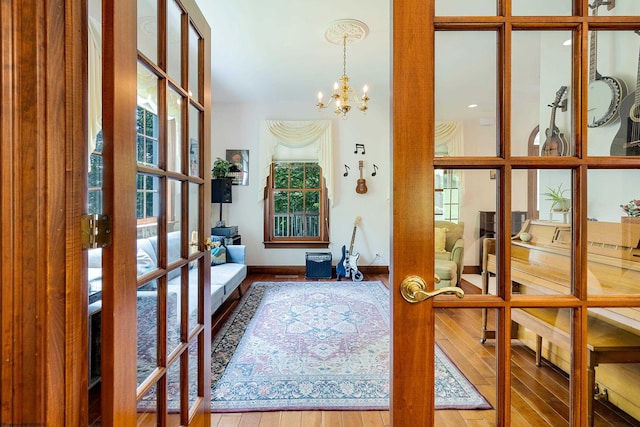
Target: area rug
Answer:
pixel 316 346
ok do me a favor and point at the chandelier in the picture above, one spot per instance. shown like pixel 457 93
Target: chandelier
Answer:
pixel 345 30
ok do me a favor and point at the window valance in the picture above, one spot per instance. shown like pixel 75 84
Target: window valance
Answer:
pixel 449 142
pixel 449 139
pixel 94 69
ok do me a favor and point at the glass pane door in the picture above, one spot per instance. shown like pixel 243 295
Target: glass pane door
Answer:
pixel 534 108
pixel 151 176
pixel 172 320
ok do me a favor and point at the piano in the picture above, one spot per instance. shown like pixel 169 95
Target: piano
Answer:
pixel 541 265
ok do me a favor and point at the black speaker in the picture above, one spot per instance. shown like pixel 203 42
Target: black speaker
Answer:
pixel 221 190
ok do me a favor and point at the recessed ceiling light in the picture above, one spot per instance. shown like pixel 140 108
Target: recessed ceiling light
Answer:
pixel 472 105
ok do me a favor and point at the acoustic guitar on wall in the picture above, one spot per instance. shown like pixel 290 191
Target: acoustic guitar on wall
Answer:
pixel 627 139
pixel 361 188
pixel 555 144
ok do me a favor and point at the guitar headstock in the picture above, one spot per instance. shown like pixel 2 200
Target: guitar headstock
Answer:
pixel 597 3
pixel 559 96
pixel 357 222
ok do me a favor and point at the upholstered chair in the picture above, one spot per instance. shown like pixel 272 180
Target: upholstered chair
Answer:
pixel 449 256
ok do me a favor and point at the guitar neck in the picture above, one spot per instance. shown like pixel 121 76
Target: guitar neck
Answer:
pixel 554 107
pixel 353 239
pixel 552 122
pixel 592 55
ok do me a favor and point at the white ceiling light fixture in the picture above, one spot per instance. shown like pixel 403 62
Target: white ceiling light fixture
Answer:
pixel 342 32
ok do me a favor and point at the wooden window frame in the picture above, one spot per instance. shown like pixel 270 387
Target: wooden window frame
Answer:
pixel 271 241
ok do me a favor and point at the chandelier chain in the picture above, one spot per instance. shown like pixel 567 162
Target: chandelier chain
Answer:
pixel 344 55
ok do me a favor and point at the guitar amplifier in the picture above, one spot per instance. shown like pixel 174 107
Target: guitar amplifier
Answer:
pixel 229 231
pixel 318 265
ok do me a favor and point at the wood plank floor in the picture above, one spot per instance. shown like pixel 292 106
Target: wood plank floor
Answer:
pixel 540 396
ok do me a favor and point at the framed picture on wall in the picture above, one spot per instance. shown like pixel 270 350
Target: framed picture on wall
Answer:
pixel 239 172
pixel 194 157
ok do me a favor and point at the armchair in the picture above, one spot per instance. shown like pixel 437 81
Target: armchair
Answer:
pixel 449 256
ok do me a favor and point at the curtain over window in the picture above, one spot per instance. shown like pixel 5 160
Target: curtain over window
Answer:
pixel 449 139
pixel 449 142
pixel 299 141
pixel 94 53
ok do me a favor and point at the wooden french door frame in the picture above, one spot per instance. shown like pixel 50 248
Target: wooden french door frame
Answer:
pixel 119 306
pixel 118 370
pixel 43 303
pixel 43 289
pixel 412 233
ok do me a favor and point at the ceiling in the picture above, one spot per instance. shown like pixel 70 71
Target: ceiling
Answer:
pixel 275 51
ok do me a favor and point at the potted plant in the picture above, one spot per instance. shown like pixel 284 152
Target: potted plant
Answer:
pixel 220 168
pixel 632 208
pixel 559 203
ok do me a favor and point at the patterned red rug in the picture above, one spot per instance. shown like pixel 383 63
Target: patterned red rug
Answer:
pixel 314 346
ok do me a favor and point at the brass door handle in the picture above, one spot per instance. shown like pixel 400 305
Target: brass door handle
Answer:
pixel 413 290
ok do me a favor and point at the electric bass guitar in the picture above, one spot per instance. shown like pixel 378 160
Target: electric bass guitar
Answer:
pixel 348 264
pixel 555 144
pixel 627 140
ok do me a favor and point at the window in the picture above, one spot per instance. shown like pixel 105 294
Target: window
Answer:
pixel 147 194
pixel 296 206
pixel 147 137
pixel 147 186
pixel 447 188
pixel 94 180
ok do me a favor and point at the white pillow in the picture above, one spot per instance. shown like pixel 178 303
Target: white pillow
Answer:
pixel 144 262
pixel 440 240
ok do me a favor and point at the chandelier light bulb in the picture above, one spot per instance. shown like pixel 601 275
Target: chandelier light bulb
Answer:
pixel 365 89
pixel 319 96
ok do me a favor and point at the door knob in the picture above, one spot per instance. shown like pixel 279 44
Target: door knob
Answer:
pixel 413 289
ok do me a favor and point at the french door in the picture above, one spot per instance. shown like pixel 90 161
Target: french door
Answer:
pixel 155 149
pixel 528 64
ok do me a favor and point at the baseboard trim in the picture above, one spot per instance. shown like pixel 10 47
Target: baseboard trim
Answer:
pixel 471 269
pixel 469 288
pixel 301 269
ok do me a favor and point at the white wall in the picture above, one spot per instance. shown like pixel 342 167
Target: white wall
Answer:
pixel 617 56
pixel 237 126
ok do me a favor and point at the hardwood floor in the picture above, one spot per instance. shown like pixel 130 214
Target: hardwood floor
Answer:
pixel 539 395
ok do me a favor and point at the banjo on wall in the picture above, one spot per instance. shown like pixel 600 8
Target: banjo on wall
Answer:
pixel 605 92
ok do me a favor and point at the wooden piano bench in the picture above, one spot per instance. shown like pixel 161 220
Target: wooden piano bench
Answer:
pixel 606 342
